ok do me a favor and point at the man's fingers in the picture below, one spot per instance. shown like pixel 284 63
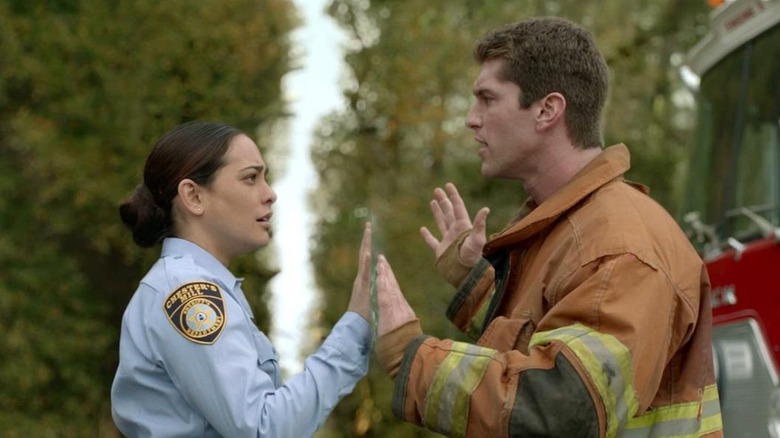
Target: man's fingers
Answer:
pixel 392 295
pixel 429 238
pixel 386 274
pixel 459 210
pixel 441 197
pixel 438 216
pixel 471 251
pixel 395 311
pixel 480 220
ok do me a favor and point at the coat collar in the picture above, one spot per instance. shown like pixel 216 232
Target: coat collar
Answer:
pixel 609 165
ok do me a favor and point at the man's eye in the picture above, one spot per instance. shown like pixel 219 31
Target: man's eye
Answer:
pixel 252 178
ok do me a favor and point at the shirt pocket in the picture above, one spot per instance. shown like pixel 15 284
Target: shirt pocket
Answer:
pixel 267 358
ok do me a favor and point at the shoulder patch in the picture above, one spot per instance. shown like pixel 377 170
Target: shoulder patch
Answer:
pixel 197 311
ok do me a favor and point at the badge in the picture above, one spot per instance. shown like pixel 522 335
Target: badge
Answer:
pixel 197 311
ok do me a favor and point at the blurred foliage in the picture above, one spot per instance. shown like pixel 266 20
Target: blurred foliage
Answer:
pixel 408 88
pixel 86 88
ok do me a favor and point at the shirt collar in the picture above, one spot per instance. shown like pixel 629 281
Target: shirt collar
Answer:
pixel 174 246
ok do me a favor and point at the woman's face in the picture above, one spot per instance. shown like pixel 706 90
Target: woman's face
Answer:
pixel 237 204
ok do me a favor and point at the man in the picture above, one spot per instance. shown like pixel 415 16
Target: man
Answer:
pixel 591 310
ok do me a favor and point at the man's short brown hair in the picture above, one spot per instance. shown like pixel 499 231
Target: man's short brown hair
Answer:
pixel 546 55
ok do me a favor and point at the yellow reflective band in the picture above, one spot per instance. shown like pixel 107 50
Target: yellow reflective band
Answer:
pixel 608 363
pixel 676 420
pixel 447 404
pixel 433 399
pixel 710 412
pixel 692 419
pixel 711 393
pixel 711 424
pixel 476 323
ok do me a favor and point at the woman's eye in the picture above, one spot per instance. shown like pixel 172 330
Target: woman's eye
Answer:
pixel 252 178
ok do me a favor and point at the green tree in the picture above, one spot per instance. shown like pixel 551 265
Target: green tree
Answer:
pixel 408 89
pixel 86 87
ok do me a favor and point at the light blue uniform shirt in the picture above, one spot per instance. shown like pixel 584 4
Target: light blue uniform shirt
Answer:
pixel 192 363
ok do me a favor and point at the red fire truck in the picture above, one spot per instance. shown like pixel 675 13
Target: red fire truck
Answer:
pixel 733 202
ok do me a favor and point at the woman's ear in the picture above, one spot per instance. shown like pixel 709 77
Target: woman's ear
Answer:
pixel 551 110
pixel 191 196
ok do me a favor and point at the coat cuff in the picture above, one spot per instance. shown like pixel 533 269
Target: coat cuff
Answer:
pixel 391 346
pixel 469 305
pixel 449 264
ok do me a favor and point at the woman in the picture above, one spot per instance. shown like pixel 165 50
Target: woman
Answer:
pixel 192 363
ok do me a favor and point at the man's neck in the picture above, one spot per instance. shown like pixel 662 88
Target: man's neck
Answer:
pixel 556 169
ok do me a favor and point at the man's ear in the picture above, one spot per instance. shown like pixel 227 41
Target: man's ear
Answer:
pixel 191 196
pixel 551 110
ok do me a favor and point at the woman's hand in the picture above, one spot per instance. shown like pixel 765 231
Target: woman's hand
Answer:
pixel 360 301
pixel 452 219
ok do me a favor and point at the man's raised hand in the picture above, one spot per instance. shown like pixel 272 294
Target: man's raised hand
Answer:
pixel 452 219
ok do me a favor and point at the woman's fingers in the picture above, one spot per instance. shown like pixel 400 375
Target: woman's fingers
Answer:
pixel 359 301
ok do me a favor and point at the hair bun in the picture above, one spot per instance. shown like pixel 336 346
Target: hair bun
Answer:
pixel 145 219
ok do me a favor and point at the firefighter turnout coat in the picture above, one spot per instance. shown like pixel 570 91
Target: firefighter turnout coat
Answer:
pixel 592 318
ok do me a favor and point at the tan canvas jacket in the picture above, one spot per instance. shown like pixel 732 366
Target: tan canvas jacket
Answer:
pixel 592 314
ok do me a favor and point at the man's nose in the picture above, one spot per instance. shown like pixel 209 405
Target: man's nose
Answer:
pixel 473 120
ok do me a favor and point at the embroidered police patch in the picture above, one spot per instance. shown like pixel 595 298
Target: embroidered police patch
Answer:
pixel 197 311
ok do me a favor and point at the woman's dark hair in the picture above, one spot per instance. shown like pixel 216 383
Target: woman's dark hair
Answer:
pixel 194 150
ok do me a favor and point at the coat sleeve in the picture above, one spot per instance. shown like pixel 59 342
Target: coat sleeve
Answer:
pixel 474 289
pixel 592 364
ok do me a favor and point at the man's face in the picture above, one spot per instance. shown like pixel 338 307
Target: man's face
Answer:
pixel 504 130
